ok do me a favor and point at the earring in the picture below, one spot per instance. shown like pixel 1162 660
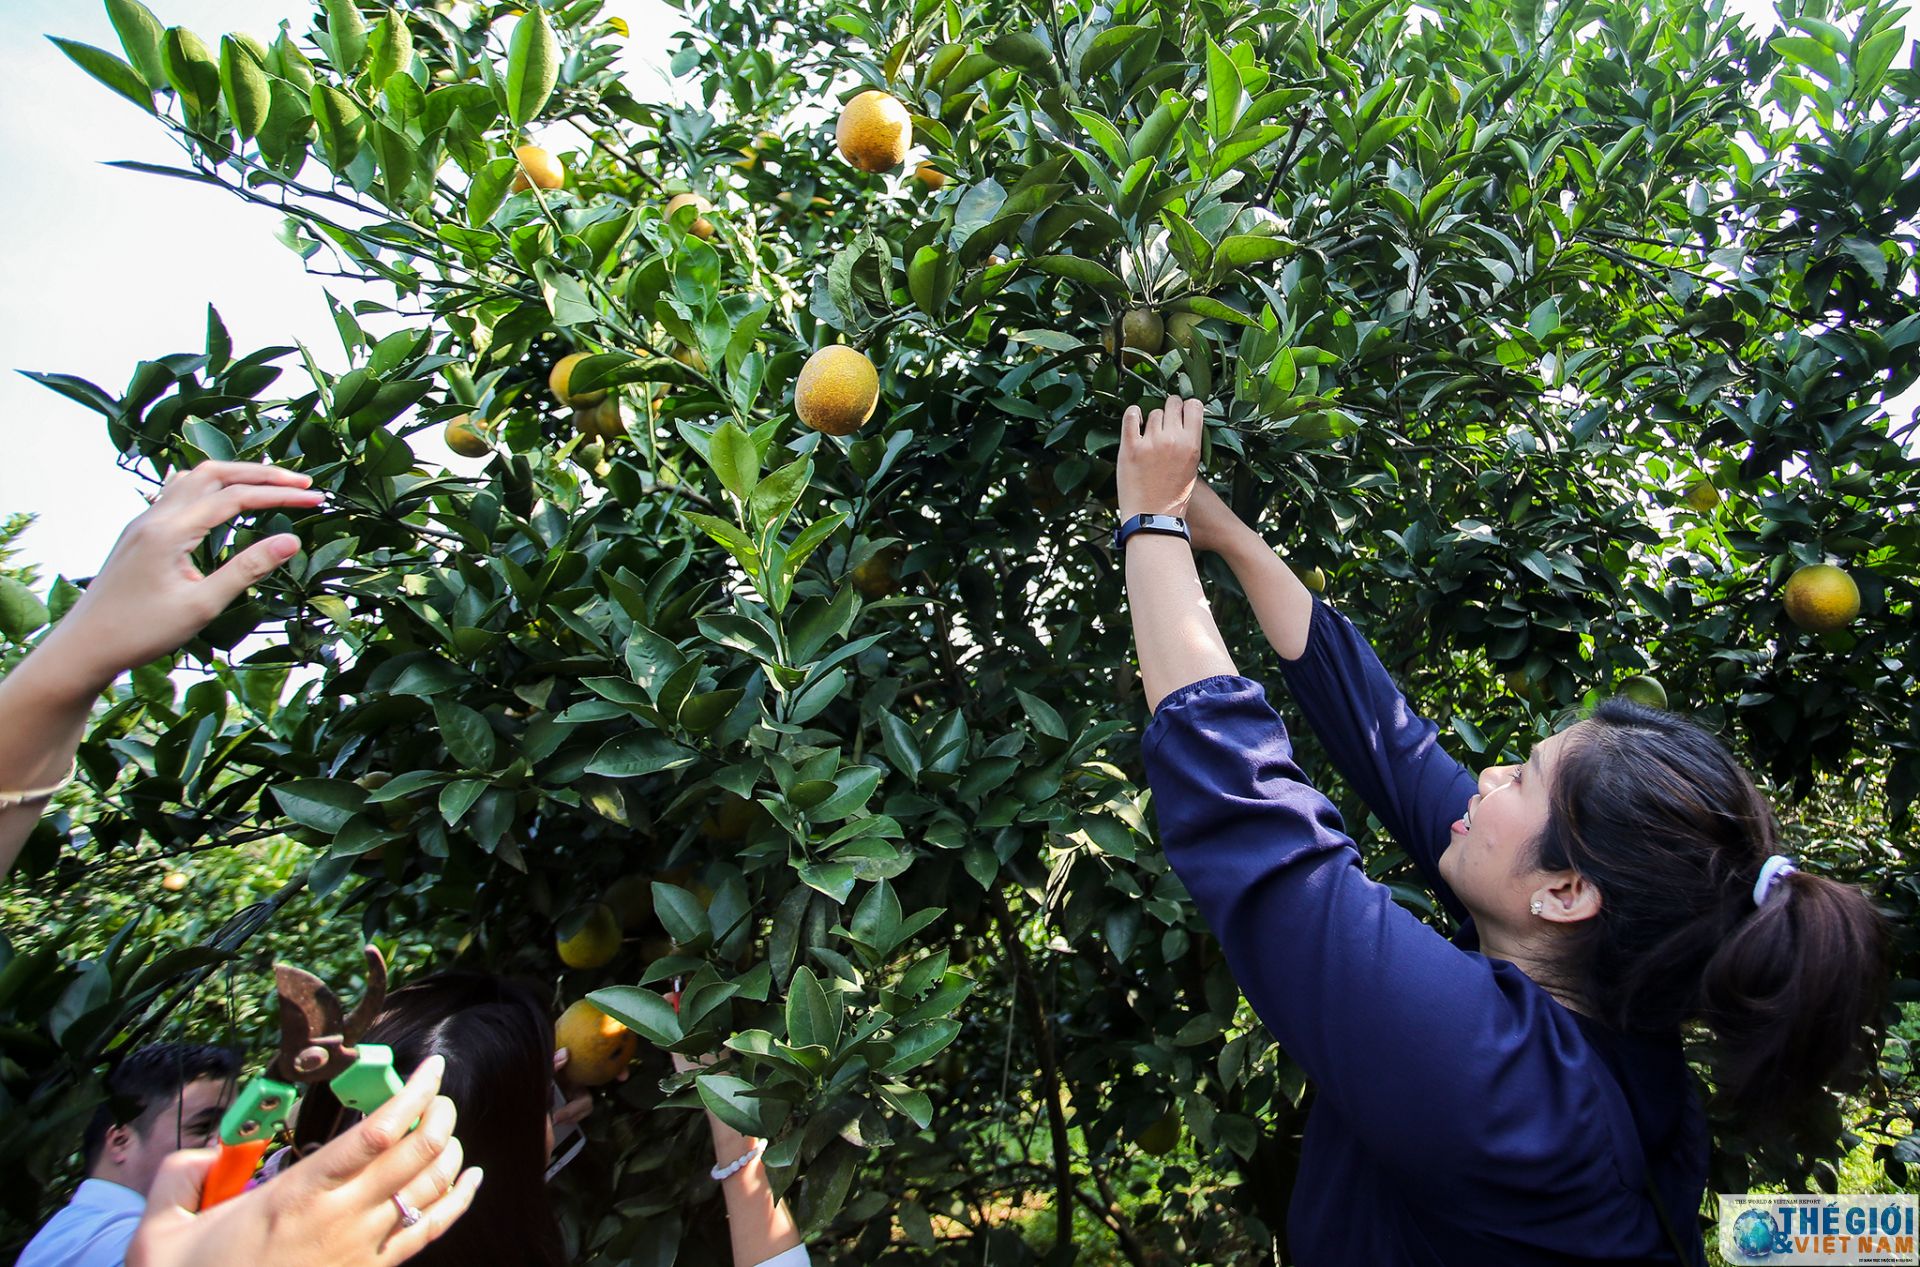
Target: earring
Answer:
pixel 1535 908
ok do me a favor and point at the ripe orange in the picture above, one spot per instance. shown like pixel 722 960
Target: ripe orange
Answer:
pixel 598 1047
pixel 698 224
pixel 837 390
pixel 874 132
pixel 560 378
pixel 1821 598
pixel 589 938
pixel 174 882
pixel 537 167
pixel 463 436
pixel 929 175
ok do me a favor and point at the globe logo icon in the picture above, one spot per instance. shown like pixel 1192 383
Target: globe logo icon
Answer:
pixel 1753 1234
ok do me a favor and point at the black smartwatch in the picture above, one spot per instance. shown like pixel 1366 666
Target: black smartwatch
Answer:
pixel 1160 525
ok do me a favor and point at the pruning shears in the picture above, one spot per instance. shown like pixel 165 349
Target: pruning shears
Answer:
pixel 316 1045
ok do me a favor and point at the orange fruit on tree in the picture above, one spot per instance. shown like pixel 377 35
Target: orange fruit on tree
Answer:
pixel 174 881
pixel 603 420
pixel 537 167
pixel 699 225
pixel 463 436
pixel 1821 598
pixel 597 1046
pixel 874 131
pixel 929 175
pixel 589 938
pixel 837 390
pixel 560 380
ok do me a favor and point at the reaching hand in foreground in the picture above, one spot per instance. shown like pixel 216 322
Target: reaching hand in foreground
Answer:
pixel 1160 459
pixel 336 1208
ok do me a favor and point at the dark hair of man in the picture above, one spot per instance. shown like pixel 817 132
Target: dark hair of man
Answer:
pixel 146 1080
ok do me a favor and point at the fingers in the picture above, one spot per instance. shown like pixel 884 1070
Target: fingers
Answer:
pixel 434 1221
pixel 347 1155
pixel 437 1180
pixel 186 486
pixel 216 508
pixel 574 1110
pixel 396 1168
pixel 1129 428
pixel 1196 413
pixel 1154 420
pixel 247 568
pixel 176 1187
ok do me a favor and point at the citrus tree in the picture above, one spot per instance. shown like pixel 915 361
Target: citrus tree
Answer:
pixel 765 637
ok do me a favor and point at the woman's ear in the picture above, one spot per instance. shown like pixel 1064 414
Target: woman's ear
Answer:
pixel 1569 898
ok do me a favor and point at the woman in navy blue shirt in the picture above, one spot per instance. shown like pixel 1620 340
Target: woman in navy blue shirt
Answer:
pixel 1516 1094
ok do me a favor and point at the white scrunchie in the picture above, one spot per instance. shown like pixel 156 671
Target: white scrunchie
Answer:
pixel 1774 869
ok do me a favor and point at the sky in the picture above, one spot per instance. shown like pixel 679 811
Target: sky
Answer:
pixel 101 268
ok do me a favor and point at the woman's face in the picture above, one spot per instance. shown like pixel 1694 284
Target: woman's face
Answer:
pixel 1489 859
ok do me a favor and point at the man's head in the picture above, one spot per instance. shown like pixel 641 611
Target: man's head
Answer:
pixel 164 1097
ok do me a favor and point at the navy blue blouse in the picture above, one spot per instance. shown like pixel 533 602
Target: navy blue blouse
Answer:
pixel 1464 1116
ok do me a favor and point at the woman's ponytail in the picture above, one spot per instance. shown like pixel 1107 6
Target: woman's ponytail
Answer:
pixel 1793 997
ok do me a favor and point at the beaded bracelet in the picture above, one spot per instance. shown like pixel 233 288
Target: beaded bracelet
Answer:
pixel 13 800
pixel 722 1172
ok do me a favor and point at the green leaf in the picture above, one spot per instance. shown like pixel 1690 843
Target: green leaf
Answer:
pixel 1242 249
pixel 107 69
pixel 835 879
pixel 853 787
pixel 1379 134
pixel 643 1011
pixel 814 1017
pixel 140 35
pixel 466 733
pixel 243 81
pixel 1042 714
pixel 734 460
pixel 341 123
pixel 191 70
pixel 1224 96
pixel 322 804
pixel 680 913
pixel 21 611
pixel 776 495
pixel 391 49
pixel 533 67
pixel 642 752
pixel 732 1100
pixel 1105 135
pixel 346 40
pixel 1085 271
pixel 920 1043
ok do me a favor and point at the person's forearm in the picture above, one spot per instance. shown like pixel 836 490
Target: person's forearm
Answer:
pixel 758 1225
pixel 44 705
pixel 1283 605
pixel 1173 627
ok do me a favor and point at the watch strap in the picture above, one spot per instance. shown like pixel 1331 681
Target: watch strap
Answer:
pixel 1158 525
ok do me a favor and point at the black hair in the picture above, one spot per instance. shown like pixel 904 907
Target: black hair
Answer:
pixel 497 1037
pixel 1656 812
pixel 146 1080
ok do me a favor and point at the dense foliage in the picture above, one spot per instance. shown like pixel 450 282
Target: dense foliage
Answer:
pixel 1478 294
